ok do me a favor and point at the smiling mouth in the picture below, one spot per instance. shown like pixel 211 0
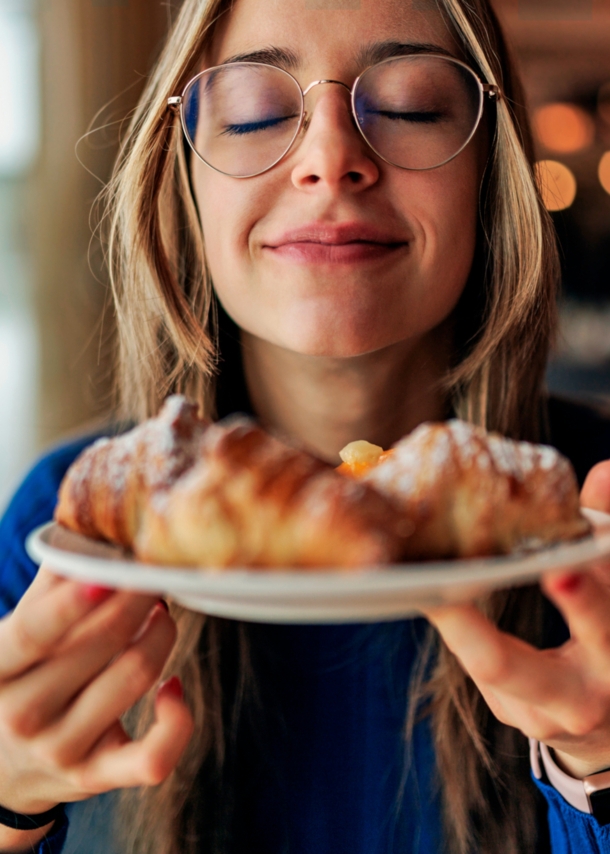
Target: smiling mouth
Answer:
pixel 364 241
pixel 348 242
pixel 323 252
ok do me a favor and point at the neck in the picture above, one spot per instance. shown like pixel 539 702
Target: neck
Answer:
pixel 324 403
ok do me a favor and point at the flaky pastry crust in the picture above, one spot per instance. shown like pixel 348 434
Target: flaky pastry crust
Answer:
pixel 253 501
pixel 471 493
pixel 179 492
pixel 104 492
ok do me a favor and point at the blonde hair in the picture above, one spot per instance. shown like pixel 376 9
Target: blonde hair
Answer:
pixel 167 343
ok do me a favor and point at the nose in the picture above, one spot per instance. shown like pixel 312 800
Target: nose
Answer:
pixel 332 154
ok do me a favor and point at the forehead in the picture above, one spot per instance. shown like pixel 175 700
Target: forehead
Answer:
pixel 332 38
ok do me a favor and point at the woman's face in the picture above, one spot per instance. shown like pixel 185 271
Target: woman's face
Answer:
pixel 280 246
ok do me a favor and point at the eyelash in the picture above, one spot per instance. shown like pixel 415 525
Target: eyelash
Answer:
pixel 253 127
pixel 415 117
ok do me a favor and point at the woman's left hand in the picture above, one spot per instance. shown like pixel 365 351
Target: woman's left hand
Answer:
pixel 559 696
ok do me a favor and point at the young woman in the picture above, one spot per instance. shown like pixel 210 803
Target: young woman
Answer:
pixel 342 270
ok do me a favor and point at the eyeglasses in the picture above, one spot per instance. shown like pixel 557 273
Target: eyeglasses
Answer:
pixel 416 112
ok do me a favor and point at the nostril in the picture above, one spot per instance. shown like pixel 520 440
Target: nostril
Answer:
pixel 355 177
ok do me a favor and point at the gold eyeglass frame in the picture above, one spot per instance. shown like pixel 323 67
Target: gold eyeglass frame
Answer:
pixel 489 90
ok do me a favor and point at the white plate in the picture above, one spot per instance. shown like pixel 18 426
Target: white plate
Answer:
pixel 289 596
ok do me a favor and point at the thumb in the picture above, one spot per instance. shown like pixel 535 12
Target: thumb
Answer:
pixel 595 493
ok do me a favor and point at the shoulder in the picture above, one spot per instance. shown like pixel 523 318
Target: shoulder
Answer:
pixel 32 505
pixel 581 433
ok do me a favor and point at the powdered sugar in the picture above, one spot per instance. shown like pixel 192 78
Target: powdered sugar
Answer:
pixel 423 456
pixel 158 451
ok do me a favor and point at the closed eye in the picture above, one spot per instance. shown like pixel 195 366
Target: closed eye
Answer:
pixel 416 117
pixel 253 127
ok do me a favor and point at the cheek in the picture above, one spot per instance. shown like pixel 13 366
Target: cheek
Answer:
pixel 228 210
pixel 221 212
pixel 443 205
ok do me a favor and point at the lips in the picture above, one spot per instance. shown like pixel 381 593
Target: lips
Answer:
pixel 335 234
pixel 336 243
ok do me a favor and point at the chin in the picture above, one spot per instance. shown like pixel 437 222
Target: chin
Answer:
pixel 332 343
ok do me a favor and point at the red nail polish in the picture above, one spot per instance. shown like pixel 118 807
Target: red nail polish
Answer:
pixel 570 583
pixel 95 593
pixel 173 686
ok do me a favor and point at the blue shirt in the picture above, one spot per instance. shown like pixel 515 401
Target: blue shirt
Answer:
pixel 324 768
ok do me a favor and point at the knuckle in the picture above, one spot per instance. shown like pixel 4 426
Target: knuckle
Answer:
pixel 51 754
pixel 585 721
pixel 120 625
pixel 155 769
pixel 25 640
pixel 17 720
pixel 540 726
pixel 140 670
pixel 493 668
pixel 545 733
pixel 498 711
pixel 113 631
pixel 65 605
pixel 81 780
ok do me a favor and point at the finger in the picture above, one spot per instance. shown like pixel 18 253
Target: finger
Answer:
pixel 498 661
pixel 148 761
pixel 115 691
pixel 584 602
pixel 40 696
pixel 40 620
pixel 595 493
pixel 601 571
pixel 115 619
pixel 541 722
pixel 44 580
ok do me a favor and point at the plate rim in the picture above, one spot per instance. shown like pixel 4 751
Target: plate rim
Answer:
pixel 405 579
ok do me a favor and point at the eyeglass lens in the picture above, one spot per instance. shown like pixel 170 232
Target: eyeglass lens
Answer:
pixel 416 112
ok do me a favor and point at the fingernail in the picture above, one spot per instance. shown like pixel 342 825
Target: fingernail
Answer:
pixel 172 686
pixel 570 583
pixel 160 606
pixel 95 593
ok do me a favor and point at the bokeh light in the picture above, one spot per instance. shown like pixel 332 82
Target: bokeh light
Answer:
pixel 604 171
pixel 603 103
pixel 557 184
pixel 564 128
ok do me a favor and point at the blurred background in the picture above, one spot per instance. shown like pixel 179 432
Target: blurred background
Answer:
pixel 67 66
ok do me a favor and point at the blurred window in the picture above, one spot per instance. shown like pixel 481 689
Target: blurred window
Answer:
pixel 19 140
pixel 18 87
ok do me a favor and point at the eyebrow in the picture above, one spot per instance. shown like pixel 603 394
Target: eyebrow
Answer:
pixel 369 55
pixel 379 51
pixel 279 56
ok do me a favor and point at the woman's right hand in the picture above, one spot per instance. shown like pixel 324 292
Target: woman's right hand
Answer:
pixel 74 659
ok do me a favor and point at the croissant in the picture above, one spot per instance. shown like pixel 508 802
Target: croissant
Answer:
pixel 470 493
pixel 106 489
pixel 251 500
pixel 179 492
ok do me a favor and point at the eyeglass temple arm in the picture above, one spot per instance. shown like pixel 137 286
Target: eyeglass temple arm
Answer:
pixel 490 89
